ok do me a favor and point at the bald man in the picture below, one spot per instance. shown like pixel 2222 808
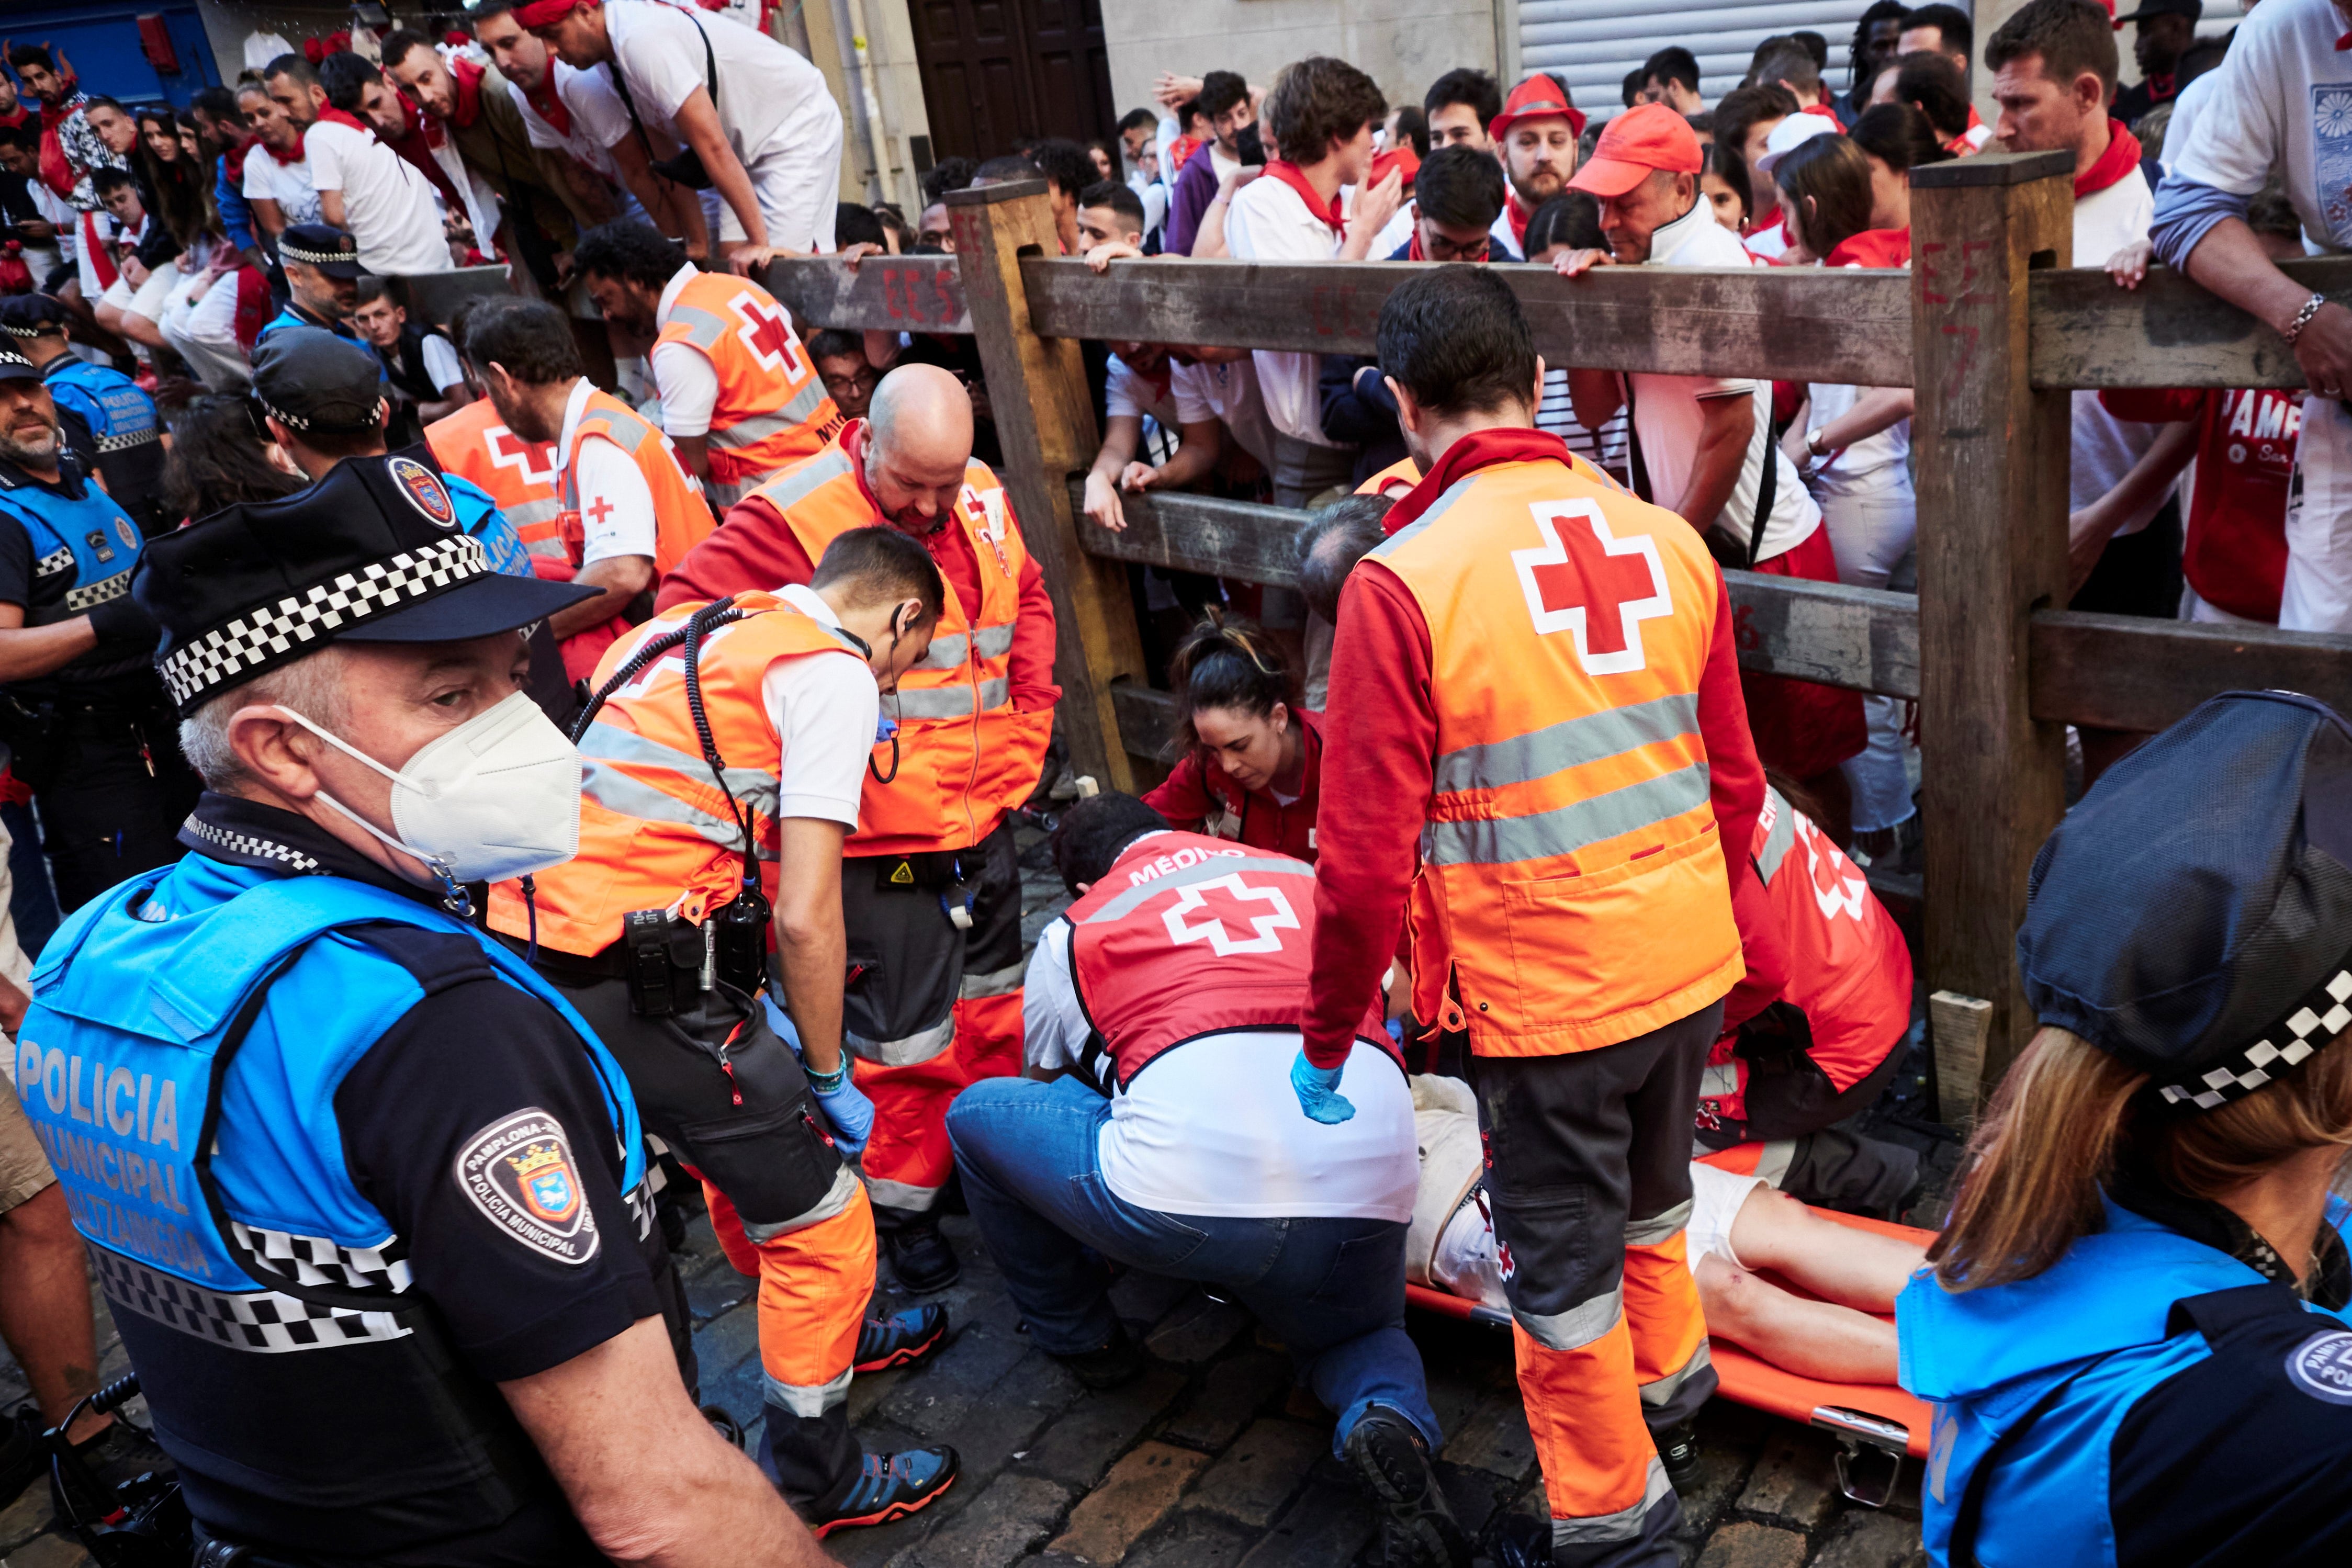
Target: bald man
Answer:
pixel 931 890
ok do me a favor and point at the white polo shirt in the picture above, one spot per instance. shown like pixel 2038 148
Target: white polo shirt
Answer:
pixel 825 712
pixel 1226 392
pixel 616 505
pixel 391 209
pixel 1268 221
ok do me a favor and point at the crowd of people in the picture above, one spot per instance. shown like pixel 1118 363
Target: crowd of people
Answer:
pixel 481 788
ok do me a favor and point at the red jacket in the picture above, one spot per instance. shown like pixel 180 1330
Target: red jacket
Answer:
pixel 2235 552
pixel 1197 791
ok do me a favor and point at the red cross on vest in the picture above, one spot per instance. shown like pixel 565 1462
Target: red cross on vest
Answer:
pixel 508 450
pixel 767 336
pixel 1230 915
pixel 1586 580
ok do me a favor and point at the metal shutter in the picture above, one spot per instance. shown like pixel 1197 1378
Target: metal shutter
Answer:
pixel 1591 44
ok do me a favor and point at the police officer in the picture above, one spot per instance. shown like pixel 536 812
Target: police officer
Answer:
pixel 2137 1331
pixel 322 272
pixel 82 710
pixel 109 420
pixel 367 1199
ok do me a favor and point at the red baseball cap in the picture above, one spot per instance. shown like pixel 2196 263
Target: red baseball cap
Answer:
pixel 1636 144
pixel 541 13
pixel 1534 98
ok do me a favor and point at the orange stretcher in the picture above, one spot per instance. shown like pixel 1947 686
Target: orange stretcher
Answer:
pixel 1864 1416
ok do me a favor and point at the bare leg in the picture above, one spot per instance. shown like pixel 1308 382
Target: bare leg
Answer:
pixel 45 1306
pixel 1812 1339
pixel 1861 1269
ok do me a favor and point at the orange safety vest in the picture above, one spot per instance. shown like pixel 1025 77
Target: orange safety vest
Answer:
pixel 1397 480
pixel 682 518
pixel 473 443
pixel 654 830
pixel 1572 882
pixel 966 756
pixel 772 409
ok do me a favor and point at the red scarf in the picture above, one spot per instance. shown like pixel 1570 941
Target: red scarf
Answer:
pixel 333 116
pixel 1403 159
pixel 1183 147
pixel 1873 247
pixel 470 90
pixel 17 116
pixel 297 155
pixel 1825 111
pixel 1519 213
pixel 546 103
pixel 2120 158
pixel 100 263
pixel 1289 173
pixel 1479 449
pixel 2159 88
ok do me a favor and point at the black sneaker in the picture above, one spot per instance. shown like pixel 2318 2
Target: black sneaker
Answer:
pixel 902 1338
pixel 1520 1542
pixel 121 1453
pixel 921 1258
pixel 1113 1365
pixel 23 1455
pixel 1393 1461
pixel 891 1486
pixel 1679 1451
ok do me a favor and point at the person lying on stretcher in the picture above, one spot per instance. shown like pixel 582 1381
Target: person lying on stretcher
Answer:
pixel 1745 1238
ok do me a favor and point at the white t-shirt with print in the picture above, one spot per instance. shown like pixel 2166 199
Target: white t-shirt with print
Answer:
pixel 2283 95
pixel 287 184
pixel 1226 392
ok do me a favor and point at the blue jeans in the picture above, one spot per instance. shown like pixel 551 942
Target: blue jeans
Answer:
pixel 1331 1290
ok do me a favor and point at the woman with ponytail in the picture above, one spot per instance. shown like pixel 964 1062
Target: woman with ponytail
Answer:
pixel 2134 1326
pixel 1252 758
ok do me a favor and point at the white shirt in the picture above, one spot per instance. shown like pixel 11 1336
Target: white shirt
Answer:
pixel 598 119
pixel 441 364
pixel 688 381
pixel 2186 106
pixel 1228 392
pixel 1214 1128
pixel 60 215
pixel 1268 221
pixel 1668 414
pixel 2282 95
pixel 616 506
pixel 825 712
pixel 771 101
pixel 390 208
pixel 287 184
pixel 103 225
pixel 1154 198
pixel 1557 415
pixel 2105 447
pixel 1875 466
pixel 1129 394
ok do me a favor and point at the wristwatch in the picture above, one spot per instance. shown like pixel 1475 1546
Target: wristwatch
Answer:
pixel 1813 441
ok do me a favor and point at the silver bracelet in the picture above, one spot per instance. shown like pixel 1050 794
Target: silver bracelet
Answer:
pixel 2293 329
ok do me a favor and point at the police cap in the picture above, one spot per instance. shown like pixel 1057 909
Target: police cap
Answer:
pixel 329 250
pixel 373 553
pixel 318 383
pixel 2192 916
pixel 33 315
pixel 15 366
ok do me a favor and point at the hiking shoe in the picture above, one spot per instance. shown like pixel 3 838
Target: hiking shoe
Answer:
pixel 121 1453
pixel 921 1258
pixel 23 1454
pixel 891 1486
pixel 1113 1365
pixel 1679 1451
pixel 902 1338
pixel 1393 1461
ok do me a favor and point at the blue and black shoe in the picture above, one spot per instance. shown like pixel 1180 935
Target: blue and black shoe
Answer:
pixel 902 1338
pixel 891 1486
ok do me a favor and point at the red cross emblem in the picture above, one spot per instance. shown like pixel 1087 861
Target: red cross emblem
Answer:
pixel 1838 887
pixel 767 331
pixel 1263 912
pixel 1598 588
pixel 599 510
pixel 534 460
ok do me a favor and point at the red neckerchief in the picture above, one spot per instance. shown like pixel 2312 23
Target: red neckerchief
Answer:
pixel 1403 159
pixel 1417 254
pixel 470 90
pixel 1826 112
pixel 1519 213
pixel 333 116
pixel 546 103
pixel 2120 158
pixel 17 116
pixel 2344 43
pixel 1289 173
pixel 1479 449
pixel 92 246
pixel 286 159
pixel 1758 230
pixel 1183 147
pixel 1873 247
pixel 2159 88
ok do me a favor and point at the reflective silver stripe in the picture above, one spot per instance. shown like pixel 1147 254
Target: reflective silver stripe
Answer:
pixel 99 593
pixel 1719 1079
pixel 946 653
pixel 1577 1327
pixel 837 1197
pixel 618 791
pixel 797 484
pixel 1660 1228
pixel 724 492
pixel 552 548
pixel 760 426
pixel 1663 1391
pixel 1413 530
pixel 522 514
pixel 993 641
pixel 610 743
pixel 997 983
pixel 953 701
pixel 1210 868
pixel 1625 1524
pixel 703 329
pixel 905 1052
pixel 1568 829
pixel 1781 840
pixel 804 1401
pixel 1571 743
pixel 620 432
pixel 899 1195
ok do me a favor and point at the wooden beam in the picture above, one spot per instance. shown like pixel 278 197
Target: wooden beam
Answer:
pixel 884 294
pixel 1793 323
pixel 435 296
pixel 2167 332
pixel 1992 458
pixel 1145 717
pixel 2123 673
pixel 1046 428
pixel 1177 532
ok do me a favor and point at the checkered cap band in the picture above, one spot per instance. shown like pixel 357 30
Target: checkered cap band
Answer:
pixel 297 252
pixel 236 652
pixel 45 330
pixel 2322 1015
pixel 295 422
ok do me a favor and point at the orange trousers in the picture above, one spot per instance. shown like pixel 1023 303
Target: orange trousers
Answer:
pixel 908 1160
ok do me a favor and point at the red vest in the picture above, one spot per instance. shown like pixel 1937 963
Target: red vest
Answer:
pixel 1186 936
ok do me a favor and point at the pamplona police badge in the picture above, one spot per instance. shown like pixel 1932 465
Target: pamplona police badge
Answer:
pixel 519 1173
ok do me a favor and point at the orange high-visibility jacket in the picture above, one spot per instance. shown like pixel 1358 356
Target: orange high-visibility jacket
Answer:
pixel 654 830
pixel 772 409
pixel 966 756
pixel 473 443
pixel 1572 878
pixel 682 518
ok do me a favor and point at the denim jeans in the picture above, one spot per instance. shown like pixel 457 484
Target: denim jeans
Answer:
pixel 1331 1288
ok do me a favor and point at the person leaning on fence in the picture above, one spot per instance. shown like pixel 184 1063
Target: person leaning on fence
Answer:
pixel 362 186
pixel 2136 1333
pixel 1494 666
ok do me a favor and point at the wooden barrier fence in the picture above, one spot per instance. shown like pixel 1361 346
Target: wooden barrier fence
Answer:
pixel 1992 326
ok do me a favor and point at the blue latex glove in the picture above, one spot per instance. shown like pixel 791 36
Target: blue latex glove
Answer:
pixel 850 1114
pixel 1318 1091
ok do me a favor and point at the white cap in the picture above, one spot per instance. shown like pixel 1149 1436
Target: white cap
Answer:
pixel 1794 131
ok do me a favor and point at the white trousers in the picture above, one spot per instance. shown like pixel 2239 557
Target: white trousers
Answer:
pixel 798 191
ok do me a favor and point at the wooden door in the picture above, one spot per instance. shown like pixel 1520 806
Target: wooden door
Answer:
pixel 996 71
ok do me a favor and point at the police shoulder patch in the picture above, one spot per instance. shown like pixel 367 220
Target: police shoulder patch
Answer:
pixel 2321 1366
pixel 423 489
pixel 518 1171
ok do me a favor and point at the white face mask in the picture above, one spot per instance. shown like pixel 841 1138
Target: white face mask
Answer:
pixel 497 796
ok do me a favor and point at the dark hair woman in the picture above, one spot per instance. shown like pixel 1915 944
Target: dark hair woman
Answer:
pixel 175 187
pixel 219 457
pixel 1252 758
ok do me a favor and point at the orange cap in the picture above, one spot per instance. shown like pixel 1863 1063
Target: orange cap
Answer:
pixel 1534 98
pixel 1636 144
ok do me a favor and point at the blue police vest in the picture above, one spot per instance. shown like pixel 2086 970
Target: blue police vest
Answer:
pixel 2064 1357
pixel 180 1065
pixel 479 515
pixel 291 317
pixel 92 537
pixel 119 415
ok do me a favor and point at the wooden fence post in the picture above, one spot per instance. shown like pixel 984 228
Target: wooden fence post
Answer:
pixel 1992 463
pixel 1045 427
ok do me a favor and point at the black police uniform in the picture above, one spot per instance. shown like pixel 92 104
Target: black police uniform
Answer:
pixel 107 419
